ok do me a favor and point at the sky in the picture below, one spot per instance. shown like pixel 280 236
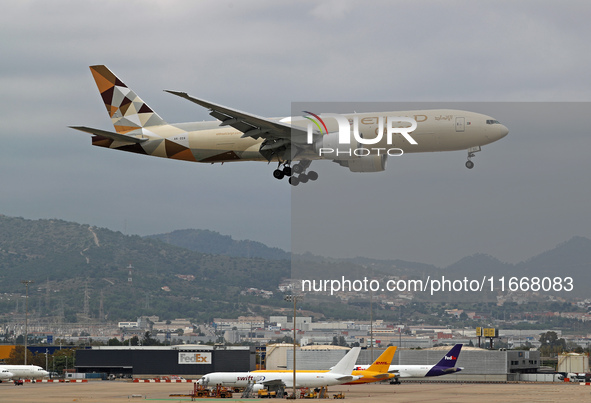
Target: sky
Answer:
pixel 527 193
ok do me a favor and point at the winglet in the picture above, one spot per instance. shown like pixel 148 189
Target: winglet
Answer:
pixel 347 363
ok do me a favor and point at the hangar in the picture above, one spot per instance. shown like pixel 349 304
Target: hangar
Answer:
pixel 186 360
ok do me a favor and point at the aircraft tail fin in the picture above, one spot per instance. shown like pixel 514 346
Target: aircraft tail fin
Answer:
pixel 383 362
pixel 450 359
pixel 127 111
pixel 347 363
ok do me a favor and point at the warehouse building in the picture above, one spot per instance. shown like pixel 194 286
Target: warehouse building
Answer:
pixel 186 360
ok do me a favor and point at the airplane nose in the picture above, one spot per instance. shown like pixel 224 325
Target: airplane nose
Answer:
pixel 503 131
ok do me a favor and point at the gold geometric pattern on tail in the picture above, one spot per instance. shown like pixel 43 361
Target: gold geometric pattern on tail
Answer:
pixel 128 112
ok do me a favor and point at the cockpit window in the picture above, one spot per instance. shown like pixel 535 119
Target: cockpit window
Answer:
pixel 492 122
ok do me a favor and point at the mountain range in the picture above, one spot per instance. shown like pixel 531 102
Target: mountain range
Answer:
pixel 83 272
pixel 571 258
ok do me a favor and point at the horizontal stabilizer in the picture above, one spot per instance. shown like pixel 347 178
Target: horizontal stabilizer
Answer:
pixel 110 135
pixel 382 376
pixel 346 378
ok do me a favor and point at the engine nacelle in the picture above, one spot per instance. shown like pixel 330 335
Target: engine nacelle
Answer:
pixel 257 386
pixel 329 146
pixel 369 163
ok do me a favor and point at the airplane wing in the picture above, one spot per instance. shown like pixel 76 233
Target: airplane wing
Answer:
pixel 276 134
pixel 110 135
pixel 273 382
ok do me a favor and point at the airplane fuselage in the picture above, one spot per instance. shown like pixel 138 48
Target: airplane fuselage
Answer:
pixel 418 371
pixel 5 375
pixel 306 379
pixel 208 142
pixel 365 376
pixel 25 371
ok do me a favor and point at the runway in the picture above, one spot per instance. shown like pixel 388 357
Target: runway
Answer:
pixel 120 391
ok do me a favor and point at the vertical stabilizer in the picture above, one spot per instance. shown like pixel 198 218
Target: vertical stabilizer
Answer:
pixel 347 363
pixel 383 362
pixel 127 111
pixel 450 359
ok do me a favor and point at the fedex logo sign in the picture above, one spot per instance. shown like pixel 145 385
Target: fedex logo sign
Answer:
pixel 194 358
pixel 450 357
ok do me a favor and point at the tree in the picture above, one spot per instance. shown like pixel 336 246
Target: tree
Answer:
pixel 134 341
pixel 574 347
pixel 148 340
pixel 551 345
pixel 62 359
pixel 16 356
pixel 114 342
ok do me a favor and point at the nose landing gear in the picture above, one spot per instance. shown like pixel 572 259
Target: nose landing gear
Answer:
pixel 471 151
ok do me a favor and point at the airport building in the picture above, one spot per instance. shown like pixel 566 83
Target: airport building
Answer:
pixel 186 360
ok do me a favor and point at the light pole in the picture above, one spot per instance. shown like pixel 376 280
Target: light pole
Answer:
pixel 26 283
pixel 294 298
pixel 371 322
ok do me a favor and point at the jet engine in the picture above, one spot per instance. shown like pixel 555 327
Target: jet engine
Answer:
pixel 368 163
pixel 329 146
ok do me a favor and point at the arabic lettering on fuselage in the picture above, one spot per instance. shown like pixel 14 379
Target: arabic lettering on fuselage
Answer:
pixel 444 117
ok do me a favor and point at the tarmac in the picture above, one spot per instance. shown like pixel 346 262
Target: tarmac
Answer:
pixel 119 392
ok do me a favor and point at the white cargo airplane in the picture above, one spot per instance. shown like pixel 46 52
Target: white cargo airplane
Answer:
pixel 241 136
pixel 5 375
pixel 447 365
pixel 339 374
pixel 25 371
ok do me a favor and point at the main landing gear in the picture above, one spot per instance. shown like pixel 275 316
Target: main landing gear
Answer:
pixel 298 169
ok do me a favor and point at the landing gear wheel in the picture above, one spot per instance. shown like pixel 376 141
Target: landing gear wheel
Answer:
pixel 303 178
pixel 287 171
pixel 278 174
pixel 298 169
pixel 469 164
pixel 312 175
pixel 294 181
